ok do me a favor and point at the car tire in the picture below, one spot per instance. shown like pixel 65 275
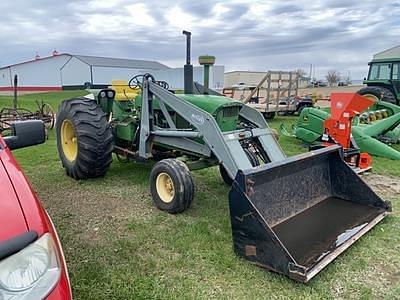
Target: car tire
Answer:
pixel 269 115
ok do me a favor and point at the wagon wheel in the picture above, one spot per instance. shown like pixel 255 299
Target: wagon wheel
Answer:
pixel 5 119
pixel 47 115
pixel 6 132
pixel 5 128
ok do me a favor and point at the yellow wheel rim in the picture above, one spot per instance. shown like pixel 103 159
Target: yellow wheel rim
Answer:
pixel 372 97
pixel 165 187
pixel 69 141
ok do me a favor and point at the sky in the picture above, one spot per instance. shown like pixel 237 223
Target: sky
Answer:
pixel 243 35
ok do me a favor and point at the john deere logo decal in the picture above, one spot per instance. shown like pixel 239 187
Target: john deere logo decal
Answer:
pixel 197 119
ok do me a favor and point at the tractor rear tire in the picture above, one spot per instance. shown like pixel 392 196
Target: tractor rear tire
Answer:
pixel 378 93
pixel 84 138
pixel 252 158
pixel 171 186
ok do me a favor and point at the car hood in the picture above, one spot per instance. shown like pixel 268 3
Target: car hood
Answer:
pixel 12 220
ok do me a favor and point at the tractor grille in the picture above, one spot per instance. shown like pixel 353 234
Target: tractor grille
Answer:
pixel 230 111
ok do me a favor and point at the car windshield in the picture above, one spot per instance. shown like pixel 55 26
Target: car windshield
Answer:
pixel 379 72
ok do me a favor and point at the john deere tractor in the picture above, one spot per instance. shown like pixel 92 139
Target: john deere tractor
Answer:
pixel 383 81
pixel 315 195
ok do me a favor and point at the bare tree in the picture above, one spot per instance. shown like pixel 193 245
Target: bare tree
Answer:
pixel 301 72
pixel 347 78
pixel 333 77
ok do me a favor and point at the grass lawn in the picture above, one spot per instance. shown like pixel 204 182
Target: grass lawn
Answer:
pixel 119 246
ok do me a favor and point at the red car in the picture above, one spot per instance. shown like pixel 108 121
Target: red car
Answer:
pixel 32 264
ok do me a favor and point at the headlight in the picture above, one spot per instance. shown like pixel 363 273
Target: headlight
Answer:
pixel 32 272
pixel 110 94
pixel 103 94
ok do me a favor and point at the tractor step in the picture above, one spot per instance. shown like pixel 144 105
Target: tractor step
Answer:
pixel 297 215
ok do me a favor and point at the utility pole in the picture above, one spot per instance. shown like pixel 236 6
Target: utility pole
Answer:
pixel 314 71
pixel 311 69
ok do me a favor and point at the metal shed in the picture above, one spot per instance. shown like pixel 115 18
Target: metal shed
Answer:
pixel 35 75
pixel 67 71
pixel 99 71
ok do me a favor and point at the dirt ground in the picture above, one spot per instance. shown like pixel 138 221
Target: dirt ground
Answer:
pixel 324 92
pixel 383 185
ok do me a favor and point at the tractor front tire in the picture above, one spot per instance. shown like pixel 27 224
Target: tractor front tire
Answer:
pixel 252 158
pixel 378 93
pixel 84 138
pixel 171 186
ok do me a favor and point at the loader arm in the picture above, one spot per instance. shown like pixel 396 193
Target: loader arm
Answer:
pixel 224 145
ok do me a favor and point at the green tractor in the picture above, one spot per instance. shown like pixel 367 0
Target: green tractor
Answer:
pixel 383 82
pixel 315 195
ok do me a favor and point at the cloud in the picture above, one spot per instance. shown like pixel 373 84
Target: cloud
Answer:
pixel 250 35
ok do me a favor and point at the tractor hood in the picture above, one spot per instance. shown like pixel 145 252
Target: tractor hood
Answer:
pixel 223 109
pixel 210 103
pixel 12 220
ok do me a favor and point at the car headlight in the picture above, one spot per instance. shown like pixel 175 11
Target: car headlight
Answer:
pixel 32 272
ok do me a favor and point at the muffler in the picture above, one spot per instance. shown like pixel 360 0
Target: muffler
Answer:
pixel 297 215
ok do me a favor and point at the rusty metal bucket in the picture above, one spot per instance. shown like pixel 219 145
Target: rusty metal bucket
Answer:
pixel 296 216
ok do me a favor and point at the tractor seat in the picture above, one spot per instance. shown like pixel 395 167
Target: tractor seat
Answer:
pixel 122 90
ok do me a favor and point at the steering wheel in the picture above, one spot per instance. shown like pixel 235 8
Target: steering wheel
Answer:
pixel 163 84
pixel 137 81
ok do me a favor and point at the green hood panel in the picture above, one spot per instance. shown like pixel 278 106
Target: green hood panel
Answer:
pixel 209 103
pixel 223 109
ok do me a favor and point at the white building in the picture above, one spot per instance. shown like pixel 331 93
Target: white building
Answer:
pixel 392 53
pixel 67 71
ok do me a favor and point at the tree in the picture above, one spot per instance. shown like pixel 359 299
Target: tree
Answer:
pixel 347 79
pixel 301 72
pixel 333 77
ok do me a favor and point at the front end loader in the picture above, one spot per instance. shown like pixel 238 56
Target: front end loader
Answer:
pixel 291 215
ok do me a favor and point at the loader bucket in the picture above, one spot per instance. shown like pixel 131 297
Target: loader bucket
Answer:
pixel 295 216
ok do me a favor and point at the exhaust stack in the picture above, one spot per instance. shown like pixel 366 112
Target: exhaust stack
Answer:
pixel 188 67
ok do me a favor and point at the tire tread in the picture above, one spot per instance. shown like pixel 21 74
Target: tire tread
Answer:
pixel 95 139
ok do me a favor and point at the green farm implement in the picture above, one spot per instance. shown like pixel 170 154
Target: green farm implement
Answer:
pixel 291 215
pixel 372 131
